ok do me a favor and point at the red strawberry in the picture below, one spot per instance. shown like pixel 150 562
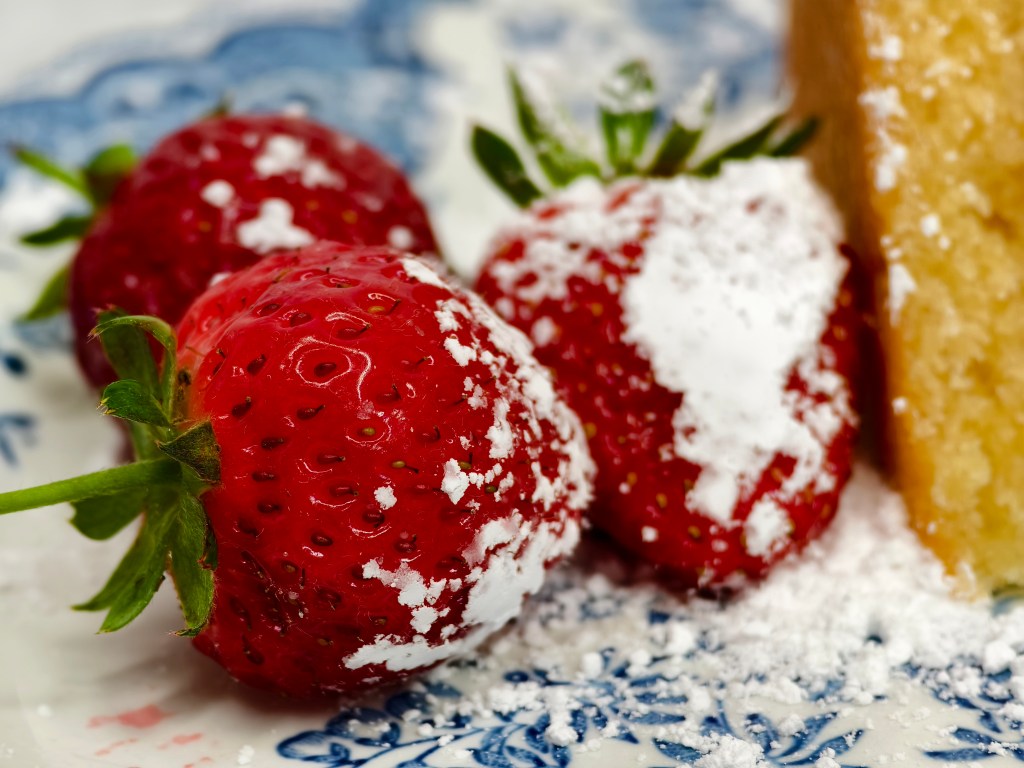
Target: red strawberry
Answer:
pixel 701 326
pixel 221 194
pixel 392 471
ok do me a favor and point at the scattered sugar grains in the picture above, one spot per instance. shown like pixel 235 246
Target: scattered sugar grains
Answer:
pixel 861 606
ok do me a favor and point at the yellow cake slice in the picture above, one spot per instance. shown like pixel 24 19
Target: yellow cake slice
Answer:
pixel 922 145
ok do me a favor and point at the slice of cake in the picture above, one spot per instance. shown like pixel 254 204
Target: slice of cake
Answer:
pixel 922 145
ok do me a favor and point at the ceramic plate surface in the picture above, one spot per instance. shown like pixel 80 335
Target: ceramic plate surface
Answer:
pixel 407 76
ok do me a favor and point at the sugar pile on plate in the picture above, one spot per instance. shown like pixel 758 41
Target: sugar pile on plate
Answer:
pixel 858 616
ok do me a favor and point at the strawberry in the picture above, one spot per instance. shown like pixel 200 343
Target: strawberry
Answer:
pixel 355 470
pixel 698 316
pixel 213 197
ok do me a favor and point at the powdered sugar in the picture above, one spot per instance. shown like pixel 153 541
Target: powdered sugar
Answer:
pixel 510 558
pixel 218 193
pixel 516 569
pixel 866 612
pixel 500 433
pixel 385 496
pixel 462 353
pixel 766 529
pixel 456 482
pixel 400 238
pixel 283 154
pixel 881 107
pixel 735 290
pixel 273 228
pixel 420 271
pixel 901 285
pixel 413 590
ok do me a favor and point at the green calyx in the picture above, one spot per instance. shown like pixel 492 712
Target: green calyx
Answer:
pixel 176 462
pixel 95 183
pixel 628 114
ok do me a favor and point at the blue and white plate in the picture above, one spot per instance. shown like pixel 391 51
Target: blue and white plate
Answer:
pixel 602 672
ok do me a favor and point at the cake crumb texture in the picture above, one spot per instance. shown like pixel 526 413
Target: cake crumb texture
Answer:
pixel 922 145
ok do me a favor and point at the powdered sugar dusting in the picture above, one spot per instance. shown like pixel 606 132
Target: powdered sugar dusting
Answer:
pixel 734 292
pixel 218 193
pixel 385 496
pixel 901 285
pixel 420 271
pixel 273 228
pixel 515 570
pixel 283 154
pixel 882 106
pixel 766 529
pixel 400 237
pixel 508 556
pixel 413 590
pixel 456 482
pixel 867 612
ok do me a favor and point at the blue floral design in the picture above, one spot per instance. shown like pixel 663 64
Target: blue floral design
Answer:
pixel 996 733
pixel 801 748
pixel 359 70
pixel 611 705
pixel 13 363
pixel 15 429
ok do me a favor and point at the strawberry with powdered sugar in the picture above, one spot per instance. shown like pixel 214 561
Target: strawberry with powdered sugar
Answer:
pixel 215 196
pixel 699 318
pixel 351 469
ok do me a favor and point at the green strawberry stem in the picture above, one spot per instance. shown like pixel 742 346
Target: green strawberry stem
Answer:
pixel 178 460
pixel 106 482
pixel 627 114
pixel 95 183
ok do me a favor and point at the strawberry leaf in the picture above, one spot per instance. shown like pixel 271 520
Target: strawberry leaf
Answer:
pixel 676 148
pixel 544 128
pixel 127 349
pixel 174 535
pixel 210 557
pixel 96 183
pixel 501 163
pixel 793 142
pixel 71 178
pixel 105 171
pixel 129 400
pixel 102 517
pixel 755 143
pixel 139 574
pixel 154 326
pixel 192 579
pixel 196 448
pixel 67 228
pixel 164 335
pixel 53 298
pixel 627 106
pixel 687 128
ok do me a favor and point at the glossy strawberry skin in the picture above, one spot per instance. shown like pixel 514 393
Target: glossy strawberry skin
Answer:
pixel 628 414
pixel 161 239
pixel 326 377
